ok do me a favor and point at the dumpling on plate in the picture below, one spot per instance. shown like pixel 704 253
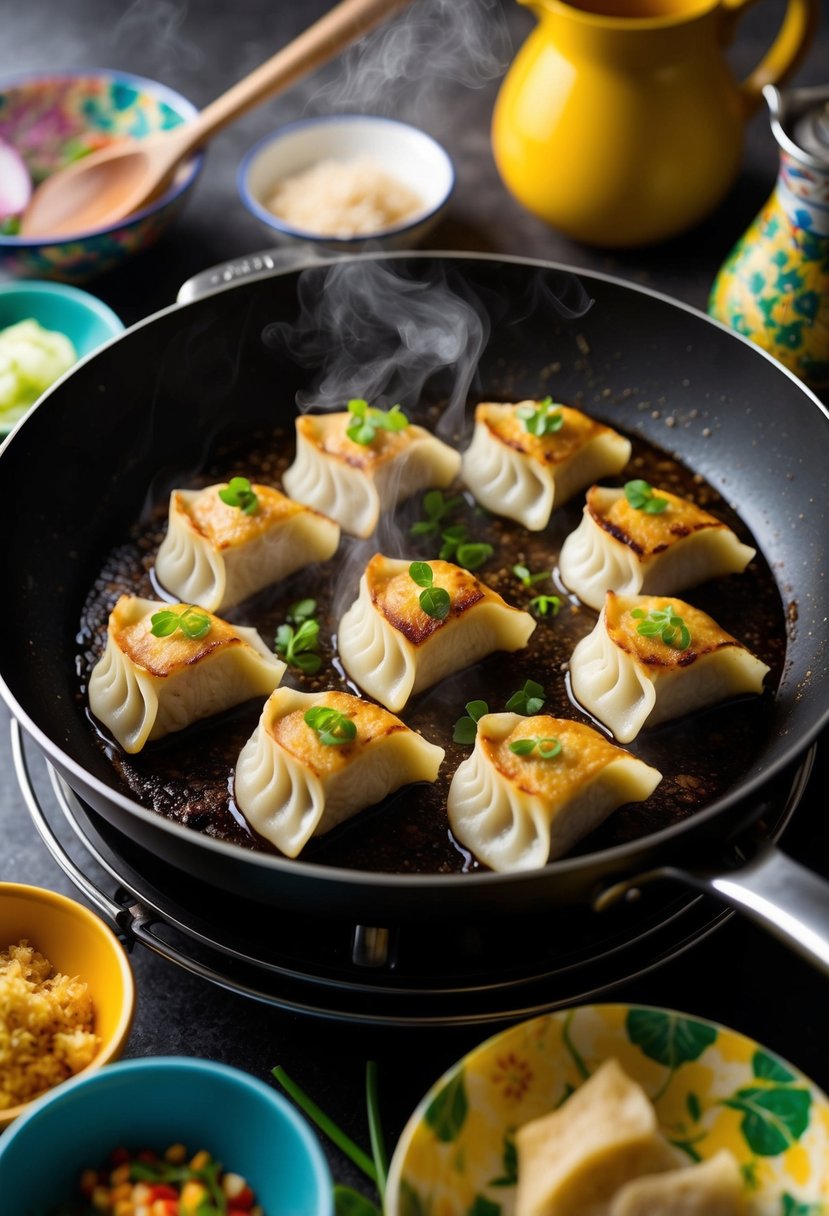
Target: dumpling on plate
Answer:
pixel 571 1161
pixel 527 458
pixel 355 482
pixel 704 1188
pixel 651 658
pixel 624 548
pixel 216 554
pixel 315 759
pixel 533 787
pixel 392 648
pixel 166 666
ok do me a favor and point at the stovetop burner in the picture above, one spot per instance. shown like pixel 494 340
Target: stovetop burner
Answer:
pixel 515 967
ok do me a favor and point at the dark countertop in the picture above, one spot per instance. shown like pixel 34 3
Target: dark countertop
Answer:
pixel 739 976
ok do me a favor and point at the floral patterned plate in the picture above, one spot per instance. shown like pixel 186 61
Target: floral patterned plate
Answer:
pixel 712 1088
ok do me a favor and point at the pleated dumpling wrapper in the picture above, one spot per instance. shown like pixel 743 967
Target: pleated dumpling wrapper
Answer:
pixel 625 545
pixel 316 759
pixel 230 540
pixel 533 787
pixel 354 480
pixel 166 666
pixel 651 658
pixel 704 1188
pixel 525 459
pixel 393 648
pixel 572 1161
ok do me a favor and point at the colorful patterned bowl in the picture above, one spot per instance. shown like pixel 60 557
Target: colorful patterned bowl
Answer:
pixel 712 1088
pixel 52 119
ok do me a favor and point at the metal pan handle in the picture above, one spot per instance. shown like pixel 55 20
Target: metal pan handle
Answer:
pixel 773 889
pixel 254 265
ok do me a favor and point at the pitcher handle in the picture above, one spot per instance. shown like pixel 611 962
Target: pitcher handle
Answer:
pixel 793 38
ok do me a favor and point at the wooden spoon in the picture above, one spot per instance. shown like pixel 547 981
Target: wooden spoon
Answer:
pixel 104 187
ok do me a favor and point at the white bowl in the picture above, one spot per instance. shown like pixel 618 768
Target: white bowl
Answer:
pixel 406 153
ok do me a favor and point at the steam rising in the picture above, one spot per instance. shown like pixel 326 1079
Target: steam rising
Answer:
pixel 400 67
pixel 369 331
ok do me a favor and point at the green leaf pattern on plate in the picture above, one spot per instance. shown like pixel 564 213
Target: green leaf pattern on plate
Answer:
pixel 668 1038
pixel 773 1119
pixel 447 1111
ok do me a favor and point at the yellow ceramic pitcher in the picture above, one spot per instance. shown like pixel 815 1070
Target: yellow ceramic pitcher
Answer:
pixel 620 122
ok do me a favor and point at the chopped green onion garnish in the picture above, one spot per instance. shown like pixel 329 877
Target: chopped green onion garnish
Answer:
pixel 665 624
pixel 192 623
pixel 239 493
pixel 641 496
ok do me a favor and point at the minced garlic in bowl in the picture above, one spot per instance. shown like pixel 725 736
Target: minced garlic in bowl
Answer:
pixel 46 1025
pixel 344 198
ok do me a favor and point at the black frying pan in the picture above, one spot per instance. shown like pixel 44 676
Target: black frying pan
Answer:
pixel 151 406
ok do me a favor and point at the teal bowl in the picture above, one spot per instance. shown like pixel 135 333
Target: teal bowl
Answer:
pixel 85 320
pixel 53 118
pixel 152 1103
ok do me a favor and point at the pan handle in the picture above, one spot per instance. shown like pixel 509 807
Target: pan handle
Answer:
pixel 255 265
pixel 773 889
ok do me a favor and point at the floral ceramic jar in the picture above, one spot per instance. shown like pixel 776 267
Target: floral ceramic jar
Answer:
pixel 774 286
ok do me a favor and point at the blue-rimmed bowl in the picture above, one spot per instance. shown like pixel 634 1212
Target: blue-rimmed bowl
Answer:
pixel 405 152
pixel 85 320
pixel 52 119
pixel 155 1102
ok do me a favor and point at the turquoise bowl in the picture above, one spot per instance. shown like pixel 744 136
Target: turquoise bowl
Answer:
pixel 55 118
pixel 85 320
pixel 155 1102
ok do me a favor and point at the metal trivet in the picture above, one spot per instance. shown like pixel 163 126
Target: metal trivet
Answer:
pixel 465 976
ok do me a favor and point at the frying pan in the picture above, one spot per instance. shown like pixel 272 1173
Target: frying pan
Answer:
pixel 149 408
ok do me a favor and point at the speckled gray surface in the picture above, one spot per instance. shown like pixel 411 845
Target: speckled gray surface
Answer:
pixel 740 976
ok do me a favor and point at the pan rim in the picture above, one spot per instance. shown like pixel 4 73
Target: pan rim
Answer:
pixel 616 857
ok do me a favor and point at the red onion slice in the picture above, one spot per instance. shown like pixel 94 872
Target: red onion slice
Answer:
pixel 15 182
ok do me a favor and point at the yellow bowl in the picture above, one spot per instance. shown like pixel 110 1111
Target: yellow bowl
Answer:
pixel 76 943
pixel 712 1088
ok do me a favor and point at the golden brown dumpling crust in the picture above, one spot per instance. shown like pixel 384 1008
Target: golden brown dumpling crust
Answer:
pixel 225 526
pixel 623 630
pixel 164 656
pixel 584 753
pixel 505 425
pixel 398 597
pixel 293 734
pixel 328 432
pixel 648 534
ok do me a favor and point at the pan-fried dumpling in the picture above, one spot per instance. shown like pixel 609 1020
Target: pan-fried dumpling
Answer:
pixel 147 684
pixel 292 782
pixel 706 1188
pixel 571 1161
pixel 627 675
pixel 393 649
pixel 216 554
pixel 533 787
pixel 354 482
pixel 622 548
pixel 515 472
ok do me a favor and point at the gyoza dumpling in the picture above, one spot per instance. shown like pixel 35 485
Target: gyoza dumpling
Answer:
pixel 296 779
pixel 216 554
pixel 354 482
pixel 706 1188
pixel 148 684
pixel 518 472
pixel 571 1161
pixel 393 649
pixel 520 800
pixel 624 548
pixel 628 678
